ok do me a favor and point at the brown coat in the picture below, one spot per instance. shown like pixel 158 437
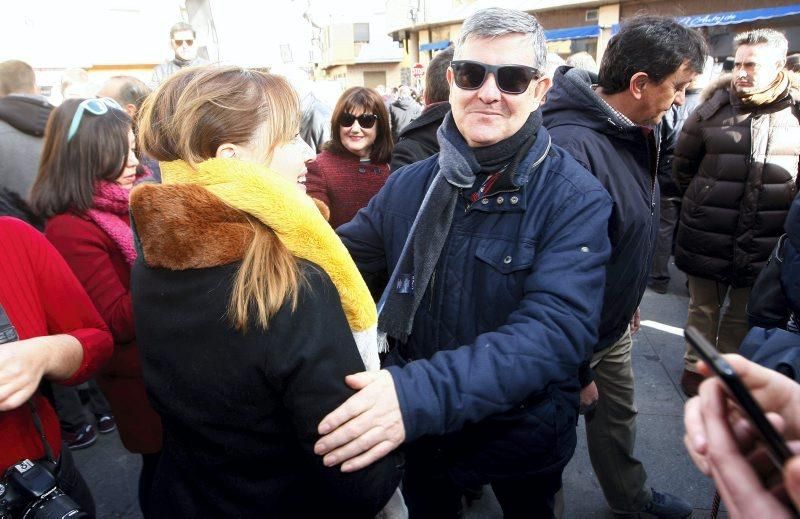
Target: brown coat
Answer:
pixel 737 166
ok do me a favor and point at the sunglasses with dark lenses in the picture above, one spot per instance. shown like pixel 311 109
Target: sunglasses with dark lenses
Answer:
pixel 511 79
pixel 179 43
pixel 364 120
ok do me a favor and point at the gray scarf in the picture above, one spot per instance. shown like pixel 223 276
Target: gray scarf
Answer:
pixel 458 166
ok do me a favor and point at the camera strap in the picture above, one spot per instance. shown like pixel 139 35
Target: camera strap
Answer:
pixel 8 333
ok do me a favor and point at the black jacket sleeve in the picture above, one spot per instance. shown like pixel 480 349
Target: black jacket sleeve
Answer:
pixel 309 370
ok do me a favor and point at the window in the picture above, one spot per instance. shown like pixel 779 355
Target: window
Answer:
pixel 591 15
pixel 361 32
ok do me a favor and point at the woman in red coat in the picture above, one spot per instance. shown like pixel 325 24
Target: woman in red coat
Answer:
pixel 58 336
pixel 355 163
pixel 88 168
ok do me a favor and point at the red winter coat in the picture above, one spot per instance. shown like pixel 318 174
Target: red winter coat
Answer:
pixel 42 297
pixel 344 183
pixel 102 270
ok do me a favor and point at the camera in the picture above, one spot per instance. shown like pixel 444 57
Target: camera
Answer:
pixel 29 491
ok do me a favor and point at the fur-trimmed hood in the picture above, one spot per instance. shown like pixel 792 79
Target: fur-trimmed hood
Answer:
pixel 723 82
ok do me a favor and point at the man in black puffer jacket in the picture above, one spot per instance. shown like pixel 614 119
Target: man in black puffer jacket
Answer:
pixel 736 163
pixel 609 124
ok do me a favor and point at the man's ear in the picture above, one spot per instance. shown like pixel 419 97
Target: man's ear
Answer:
pixel 638 83
pixel 541 88
pixel 227 151
pixel 449 77
pixel 130 109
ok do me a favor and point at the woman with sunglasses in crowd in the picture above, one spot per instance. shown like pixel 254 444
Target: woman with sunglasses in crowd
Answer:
pixel 355 163
pixel 250 312
pixel 86 172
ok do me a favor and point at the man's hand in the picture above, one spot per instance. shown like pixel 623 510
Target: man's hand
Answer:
pixel 723 444
pixel 365 428
pixel 22 365
pixel 589 398
pixel 635 322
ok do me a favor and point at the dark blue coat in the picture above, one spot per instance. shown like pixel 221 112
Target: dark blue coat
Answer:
pixel 777 348
pixel 624 159
pixel 510 313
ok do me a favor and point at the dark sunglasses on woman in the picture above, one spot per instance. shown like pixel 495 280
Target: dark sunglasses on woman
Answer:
pixel 511 79
pixel 364 120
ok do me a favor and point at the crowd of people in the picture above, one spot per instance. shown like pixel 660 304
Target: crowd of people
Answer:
pixel 377 309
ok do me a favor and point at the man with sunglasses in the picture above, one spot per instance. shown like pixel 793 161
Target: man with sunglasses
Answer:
pixel 608 123
pixel 496 248
pixel 182 38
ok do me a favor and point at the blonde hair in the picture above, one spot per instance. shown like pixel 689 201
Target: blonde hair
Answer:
pixel 187 118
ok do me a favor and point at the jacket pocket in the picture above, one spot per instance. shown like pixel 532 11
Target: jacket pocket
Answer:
pixel 500 274
pixel 506 257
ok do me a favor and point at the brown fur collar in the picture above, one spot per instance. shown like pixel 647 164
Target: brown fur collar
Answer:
pixel 186 227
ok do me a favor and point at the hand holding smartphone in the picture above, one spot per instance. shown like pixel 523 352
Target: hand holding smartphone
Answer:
pixel 776 446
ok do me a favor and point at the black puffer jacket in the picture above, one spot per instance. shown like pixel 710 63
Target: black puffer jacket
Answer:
pixel 737 166
pixel 671 126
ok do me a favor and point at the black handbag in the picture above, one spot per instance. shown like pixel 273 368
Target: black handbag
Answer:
pixel 767 306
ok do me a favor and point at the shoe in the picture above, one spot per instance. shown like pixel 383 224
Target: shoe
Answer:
pixel 80 439
pixel 667 506
pixel 690 382
pixel 658 288
pixel 106 424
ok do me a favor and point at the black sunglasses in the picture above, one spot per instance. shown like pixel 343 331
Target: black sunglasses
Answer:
pixel 364 120
pixel 179 43
pixel 511 79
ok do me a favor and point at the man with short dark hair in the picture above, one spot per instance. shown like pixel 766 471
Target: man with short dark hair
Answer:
pixel 23 117
pixel 417 141
pixel 496 247
pixel 736 164
pixel 182 38
pixel 607 123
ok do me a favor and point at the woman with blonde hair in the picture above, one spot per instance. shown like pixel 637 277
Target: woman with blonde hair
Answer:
pixel 250 312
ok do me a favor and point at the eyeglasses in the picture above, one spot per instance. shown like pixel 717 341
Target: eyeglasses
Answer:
pixel 511 79
pixel 179 43
pixel 364 120
pixel 96 106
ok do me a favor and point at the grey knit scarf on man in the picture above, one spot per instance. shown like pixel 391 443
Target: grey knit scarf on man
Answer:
pixel 459 166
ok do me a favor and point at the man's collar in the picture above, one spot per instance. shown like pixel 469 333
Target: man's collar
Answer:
pixel 625 120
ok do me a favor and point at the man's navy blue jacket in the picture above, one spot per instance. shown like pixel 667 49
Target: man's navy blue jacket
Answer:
pixel 510 313
pixel 624 159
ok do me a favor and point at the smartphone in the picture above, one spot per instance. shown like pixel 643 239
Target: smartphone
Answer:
pixel 776 446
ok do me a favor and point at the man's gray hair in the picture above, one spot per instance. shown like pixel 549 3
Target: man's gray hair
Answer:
pixel 498 21
pixel 769 37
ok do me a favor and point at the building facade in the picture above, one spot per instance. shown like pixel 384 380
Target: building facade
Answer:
pixel 424 27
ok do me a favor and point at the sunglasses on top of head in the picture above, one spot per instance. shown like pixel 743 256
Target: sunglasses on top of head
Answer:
pixel 364 120
pixel 511 79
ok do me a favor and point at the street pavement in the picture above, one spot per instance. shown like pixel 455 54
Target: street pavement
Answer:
pixel 112 472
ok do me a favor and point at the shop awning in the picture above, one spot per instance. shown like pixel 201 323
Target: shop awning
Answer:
pixel 572 33
pixel 435 45
pixel 733 17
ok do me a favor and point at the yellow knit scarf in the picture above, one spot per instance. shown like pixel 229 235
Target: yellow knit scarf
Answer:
pixel 295 219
